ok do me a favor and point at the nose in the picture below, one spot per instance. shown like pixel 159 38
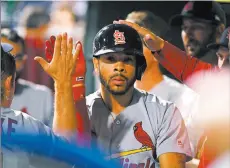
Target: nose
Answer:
pixel 119 67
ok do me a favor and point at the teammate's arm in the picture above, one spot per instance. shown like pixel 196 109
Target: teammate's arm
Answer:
pixel 61 69
pixel 78 85
pixel 172 160
pixel 171 57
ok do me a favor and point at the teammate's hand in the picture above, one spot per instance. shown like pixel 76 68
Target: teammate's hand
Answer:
pixel 153 42
pixel 49 50
pixel 78 78
pixel 62 66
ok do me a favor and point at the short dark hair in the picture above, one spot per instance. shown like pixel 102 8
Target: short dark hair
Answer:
pixel 13 36
pixel 150 21
pixel 8 68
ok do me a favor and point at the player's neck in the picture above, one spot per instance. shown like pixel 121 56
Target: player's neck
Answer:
pixel 116 103
pixel 151 77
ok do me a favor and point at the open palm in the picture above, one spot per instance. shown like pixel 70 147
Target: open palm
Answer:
pixel 63 63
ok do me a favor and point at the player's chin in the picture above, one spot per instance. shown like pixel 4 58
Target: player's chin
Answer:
pixel 118 90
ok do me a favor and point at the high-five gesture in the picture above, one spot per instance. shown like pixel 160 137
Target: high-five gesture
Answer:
pixel 78 77
pixel 61 69
pixel 77 83
pixel 63 63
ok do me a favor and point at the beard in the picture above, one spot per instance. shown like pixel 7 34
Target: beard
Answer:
pixel 196 48
pixel 129 84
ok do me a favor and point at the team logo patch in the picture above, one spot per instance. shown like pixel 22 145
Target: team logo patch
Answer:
pixel 119 37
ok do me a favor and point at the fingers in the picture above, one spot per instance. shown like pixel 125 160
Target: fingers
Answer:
pixel 57 47
pixel 77 52
pixel 133 25
pixel 70 48
pixel 42 62
pixel 48 51
pixel 81 55
pixel 52 40
pixel 64 44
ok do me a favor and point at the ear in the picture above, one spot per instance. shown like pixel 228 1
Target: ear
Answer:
pixel 219 30
pixel 96 65
pixel 8 83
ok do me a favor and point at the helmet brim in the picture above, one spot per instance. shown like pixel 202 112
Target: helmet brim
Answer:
pixel 116 50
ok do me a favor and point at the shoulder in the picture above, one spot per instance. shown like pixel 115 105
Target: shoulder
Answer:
pixel 158 108
pixel 90 99
pixel 152 99
pixel 42 89
pixel 24 122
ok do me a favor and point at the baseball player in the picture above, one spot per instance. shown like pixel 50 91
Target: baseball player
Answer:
pixel 28 94
pixel 183 66
pixel 153 81
pixel 138 128
pixel 13 122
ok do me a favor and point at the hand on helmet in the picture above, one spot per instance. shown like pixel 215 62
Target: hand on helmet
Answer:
pixel 153 42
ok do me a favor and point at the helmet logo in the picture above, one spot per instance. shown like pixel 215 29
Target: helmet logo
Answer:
pixel 119 37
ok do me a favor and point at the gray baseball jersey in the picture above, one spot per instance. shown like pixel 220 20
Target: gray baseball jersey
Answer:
pixel 35 100
pixel 143 131
pixel 15 122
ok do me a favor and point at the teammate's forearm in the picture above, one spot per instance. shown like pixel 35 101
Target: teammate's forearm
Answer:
pixel 64 116
pixel 179 63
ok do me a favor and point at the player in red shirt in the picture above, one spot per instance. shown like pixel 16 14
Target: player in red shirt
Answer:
pixel 183 66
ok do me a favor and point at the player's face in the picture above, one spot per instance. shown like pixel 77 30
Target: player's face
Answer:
pixel 117 72
pixel 223 56
pixel 195 35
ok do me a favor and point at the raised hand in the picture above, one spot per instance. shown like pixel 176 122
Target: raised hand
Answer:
pixel 78 77
pixel 153 42
pixel 62 66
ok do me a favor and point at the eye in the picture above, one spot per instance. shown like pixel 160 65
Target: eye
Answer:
pixel 111 59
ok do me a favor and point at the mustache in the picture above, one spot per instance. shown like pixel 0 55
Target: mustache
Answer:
pixel 119 75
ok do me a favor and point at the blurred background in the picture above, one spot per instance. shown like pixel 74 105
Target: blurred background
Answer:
pixel 35 21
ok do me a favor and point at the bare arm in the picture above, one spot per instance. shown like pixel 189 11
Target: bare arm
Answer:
pixel 172 160
pixel 78 88
pixel 61 70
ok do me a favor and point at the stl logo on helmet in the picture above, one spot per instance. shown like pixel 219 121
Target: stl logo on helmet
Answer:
pixel 119 37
